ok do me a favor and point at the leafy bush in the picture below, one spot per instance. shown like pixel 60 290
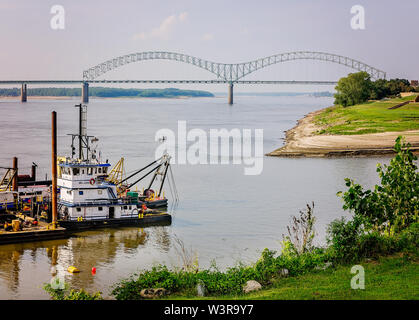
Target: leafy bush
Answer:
pixel 393 205
pixel 348 243
pixel 342 238
pixel 63 294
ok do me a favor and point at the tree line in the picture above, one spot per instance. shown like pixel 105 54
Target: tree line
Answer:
pixel 108 92
pixel 358 87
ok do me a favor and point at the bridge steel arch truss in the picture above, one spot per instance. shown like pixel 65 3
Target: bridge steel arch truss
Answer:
pixel 231 72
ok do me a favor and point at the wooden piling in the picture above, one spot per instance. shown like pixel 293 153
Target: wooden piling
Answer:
pixel 15 177
pixel 54 168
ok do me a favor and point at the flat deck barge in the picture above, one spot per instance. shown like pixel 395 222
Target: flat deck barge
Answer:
pixel 41 234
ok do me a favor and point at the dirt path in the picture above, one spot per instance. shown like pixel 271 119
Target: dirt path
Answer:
pixel 301 141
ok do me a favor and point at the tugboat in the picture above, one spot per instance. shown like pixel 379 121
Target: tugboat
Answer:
pixel 88 198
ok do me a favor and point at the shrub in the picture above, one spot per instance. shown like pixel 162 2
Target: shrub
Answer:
pixel 342 238
pixel 301 233
pixel 63 294
pixel 392 205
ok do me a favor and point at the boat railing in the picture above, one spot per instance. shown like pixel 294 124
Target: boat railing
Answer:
pixel 120 201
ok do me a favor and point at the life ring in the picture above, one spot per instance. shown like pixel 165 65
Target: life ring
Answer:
pixel 144 207
pixel 134 212
pixel 92 181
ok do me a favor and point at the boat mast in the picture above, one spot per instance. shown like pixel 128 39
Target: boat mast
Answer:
pixel 82 137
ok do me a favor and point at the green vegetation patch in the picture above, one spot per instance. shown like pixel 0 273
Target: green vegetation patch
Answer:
pixel 389 278
pixel 370 117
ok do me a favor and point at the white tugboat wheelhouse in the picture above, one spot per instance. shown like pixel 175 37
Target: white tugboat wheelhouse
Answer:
pixel 86 195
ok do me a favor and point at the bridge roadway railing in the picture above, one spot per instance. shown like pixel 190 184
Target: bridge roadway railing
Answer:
pixel 85 84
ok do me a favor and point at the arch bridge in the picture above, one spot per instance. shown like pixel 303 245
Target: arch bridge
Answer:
pixel 230 73
pixel 233 72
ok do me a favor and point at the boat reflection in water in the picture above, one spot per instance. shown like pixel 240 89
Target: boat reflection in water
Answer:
pixel 26 267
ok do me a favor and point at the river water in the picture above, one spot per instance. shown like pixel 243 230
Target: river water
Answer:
pixel 223 215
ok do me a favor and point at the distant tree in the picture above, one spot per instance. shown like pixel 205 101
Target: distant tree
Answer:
pixel 353 89
pixel 395 86
pixel 379 89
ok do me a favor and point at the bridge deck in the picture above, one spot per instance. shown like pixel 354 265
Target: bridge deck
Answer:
pixel 7 82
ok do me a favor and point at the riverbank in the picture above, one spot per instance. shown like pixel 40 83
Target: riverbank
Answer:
pixel 386 278
pixel 332 132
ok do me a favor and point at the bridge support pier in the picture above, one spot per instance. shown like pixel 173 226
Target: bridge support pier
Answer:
pixel 85 92
pixel 24 93
pixel 230 93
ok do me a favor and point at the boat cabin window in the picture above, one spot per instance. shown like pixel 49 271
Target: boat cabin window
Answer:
pixel 80 192
pixel 78 209
pixel 89 171
pixel 125 207
pixel 105 169
pixel 76 171
pixel 99 170
pixel 82 171
pixel 100 208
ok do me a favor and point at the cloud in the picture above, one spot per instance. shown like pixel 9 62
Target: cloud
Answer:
pixel 163 31
pixel 208 37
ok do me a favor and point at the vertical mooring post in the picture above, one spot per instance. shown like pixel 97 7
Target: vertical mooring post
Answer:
pixel 15 185
pixel 33 172
pixel 85 92
pixel 54 168
pixel 230 93
pixel 24 93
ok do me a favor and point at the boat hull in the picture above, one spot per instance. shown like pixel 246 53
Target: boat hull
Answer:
pixel 146 221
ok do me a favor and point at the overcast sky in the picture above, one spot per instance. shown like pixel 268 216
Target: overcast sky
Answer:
pixel 220 31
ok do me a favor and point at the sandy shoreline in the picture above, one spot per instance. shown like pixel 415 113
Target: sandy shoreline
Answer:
pixel 301 141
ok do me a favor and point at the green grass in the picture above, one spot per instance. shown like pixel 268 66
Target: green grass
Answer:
pixel 389 278
pixel 371 117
